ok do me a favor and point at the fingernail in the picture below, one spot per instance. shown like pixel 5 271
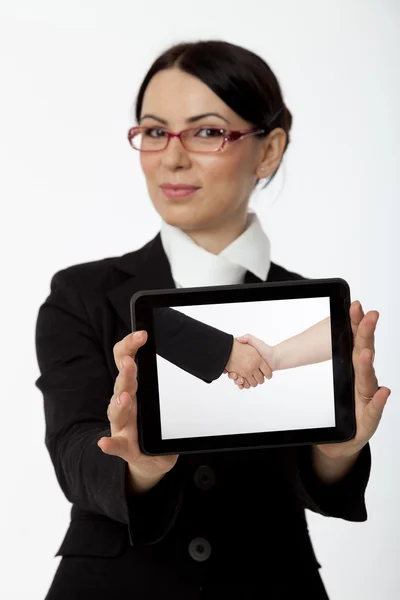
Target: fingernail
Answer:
pixel 137 335
pixel 118 400
pixel 121 365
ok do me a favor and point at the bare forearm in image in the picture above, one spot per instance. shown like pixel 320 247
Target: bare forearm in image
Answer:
pixel 308 347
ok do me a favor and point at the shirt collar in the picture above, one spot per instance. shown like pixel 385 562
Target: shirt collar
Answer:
pixel 193 266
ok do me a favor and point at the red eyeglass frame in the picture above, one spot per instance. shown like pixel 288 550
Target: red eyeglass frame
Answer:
pixel 231 136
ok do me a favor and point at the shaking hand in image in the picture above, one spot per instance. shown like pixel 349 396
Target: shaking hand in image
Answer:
pixel 205 351
pixel 311 346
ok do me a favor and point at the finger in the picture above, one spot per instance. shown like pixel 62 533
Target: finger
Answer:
pixel 266 369
pixel 356 316
pixel 242 383
pixel 365 336
pixel 366 382
pixel 127 377
pixel 373 411
pixel 251 380
pixel 129 345
pixel 121 410
pixel 233 375
pixel 259 376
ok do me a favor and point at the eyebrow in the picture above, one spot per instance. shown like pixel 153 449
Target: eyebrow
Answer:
pixel 189 120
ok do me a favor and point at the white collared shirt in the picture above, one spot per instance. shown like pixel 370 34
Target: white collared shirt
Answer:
pixel 193 266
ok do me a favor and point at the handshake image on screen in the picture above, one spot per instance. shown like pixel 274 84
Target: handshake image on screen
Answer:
pixel 207 352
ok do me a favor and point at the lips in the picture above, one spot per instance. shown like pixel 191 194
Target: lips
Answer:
pixel 179 191
pixel 170 186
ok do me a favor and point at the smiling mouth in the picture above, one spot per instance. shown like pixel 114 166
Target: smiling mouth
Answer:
pixel 179 192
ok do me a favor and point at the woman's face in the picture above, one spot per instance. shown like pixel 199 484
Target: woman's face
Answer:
pixel 225 179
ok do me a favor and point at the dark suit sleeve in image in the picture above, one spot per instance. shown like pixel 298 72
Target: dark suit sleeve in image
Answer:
pixel 199 349
pixel 77 386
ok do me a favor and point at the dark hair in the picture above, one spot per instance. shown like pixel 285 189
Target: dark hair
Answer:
pixel 238 76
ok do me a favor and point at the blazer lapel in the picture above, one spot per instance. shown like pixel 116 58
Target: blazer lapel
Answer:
pixel 148 269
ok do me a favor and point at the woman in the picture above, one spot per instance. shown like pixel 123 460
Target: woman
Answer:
pixel 215 525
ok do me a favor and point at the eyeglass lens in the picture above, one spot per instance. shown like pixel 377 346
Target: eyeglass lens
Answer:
pixel 204 139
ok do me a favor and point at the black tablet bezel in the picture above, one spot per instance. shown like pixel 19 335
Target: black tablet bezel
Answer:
pixel 149 423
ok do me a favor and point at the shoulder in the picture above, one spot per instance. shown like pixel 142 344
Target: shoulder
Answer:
pixel 87 274
pixel 102 274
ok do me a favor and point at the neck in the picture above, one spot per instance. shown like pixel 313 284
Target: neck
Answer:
pixel 217 238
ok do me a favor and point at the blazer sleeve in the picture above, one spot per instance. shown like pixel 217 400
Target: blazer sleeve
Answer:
pixel 344 499
pixel 199 349
pixel 77 386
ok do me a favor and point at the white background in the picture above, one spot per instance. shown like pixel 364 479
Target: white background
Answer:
pixel 190 407
pixel 72 191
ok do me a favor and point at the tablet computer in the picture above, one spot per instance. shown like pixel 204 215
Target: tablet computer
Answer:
pixel 188 404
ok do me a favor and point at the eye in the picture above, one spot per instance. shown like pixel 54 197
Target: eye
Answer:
pixel 157 131
pixel 211 132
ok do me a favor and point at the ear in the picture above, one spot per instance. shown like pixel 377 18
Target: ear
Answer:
pixel 272 149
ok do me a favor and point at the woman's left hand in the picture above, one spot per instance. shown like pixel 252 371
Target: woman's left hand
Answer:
pixel 368 412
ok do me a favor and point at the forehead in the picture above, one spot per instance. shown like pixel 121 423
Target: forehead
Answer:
pixel 175 96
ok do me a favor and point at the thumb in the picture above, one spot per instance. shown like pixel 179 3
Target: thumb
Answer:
pixel 248 339
pixel 258 344
pixel 244 339
pixel 374 410
pixel 115 445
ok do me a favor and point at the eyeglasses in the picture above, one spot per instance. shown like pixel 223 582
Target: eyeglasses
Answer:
pixel 196 139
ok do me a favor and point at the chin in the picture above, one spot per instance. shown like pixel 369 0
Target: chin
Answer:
pixel 180 215
pixel 184 220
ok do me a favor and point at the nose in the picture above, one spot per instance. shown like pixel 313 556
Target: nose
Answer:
pixel 175 155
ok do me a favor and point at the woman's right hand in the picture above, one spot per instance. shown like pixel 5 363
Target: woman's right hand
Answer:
pixel 122 414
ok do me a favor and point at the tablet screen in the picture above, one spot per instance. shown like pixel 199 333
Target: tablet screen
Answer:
pixel 300 394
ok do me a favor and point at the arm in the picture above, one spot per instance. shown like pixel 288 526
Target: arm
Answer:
pixel 77 386
pixel 329 487
pixel 138 484
pixel 332 470
pixel 332 487
pixel 308 347
pixel 344 499
pixel 336 489
pixel 199 349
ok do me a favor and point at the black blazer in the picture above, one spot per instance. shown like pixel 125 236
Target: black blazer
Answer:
pixel 228 523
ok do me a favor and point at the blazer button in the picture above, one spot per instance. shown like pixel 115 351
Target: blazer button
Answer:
pixel 204 478
pixel 200 549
